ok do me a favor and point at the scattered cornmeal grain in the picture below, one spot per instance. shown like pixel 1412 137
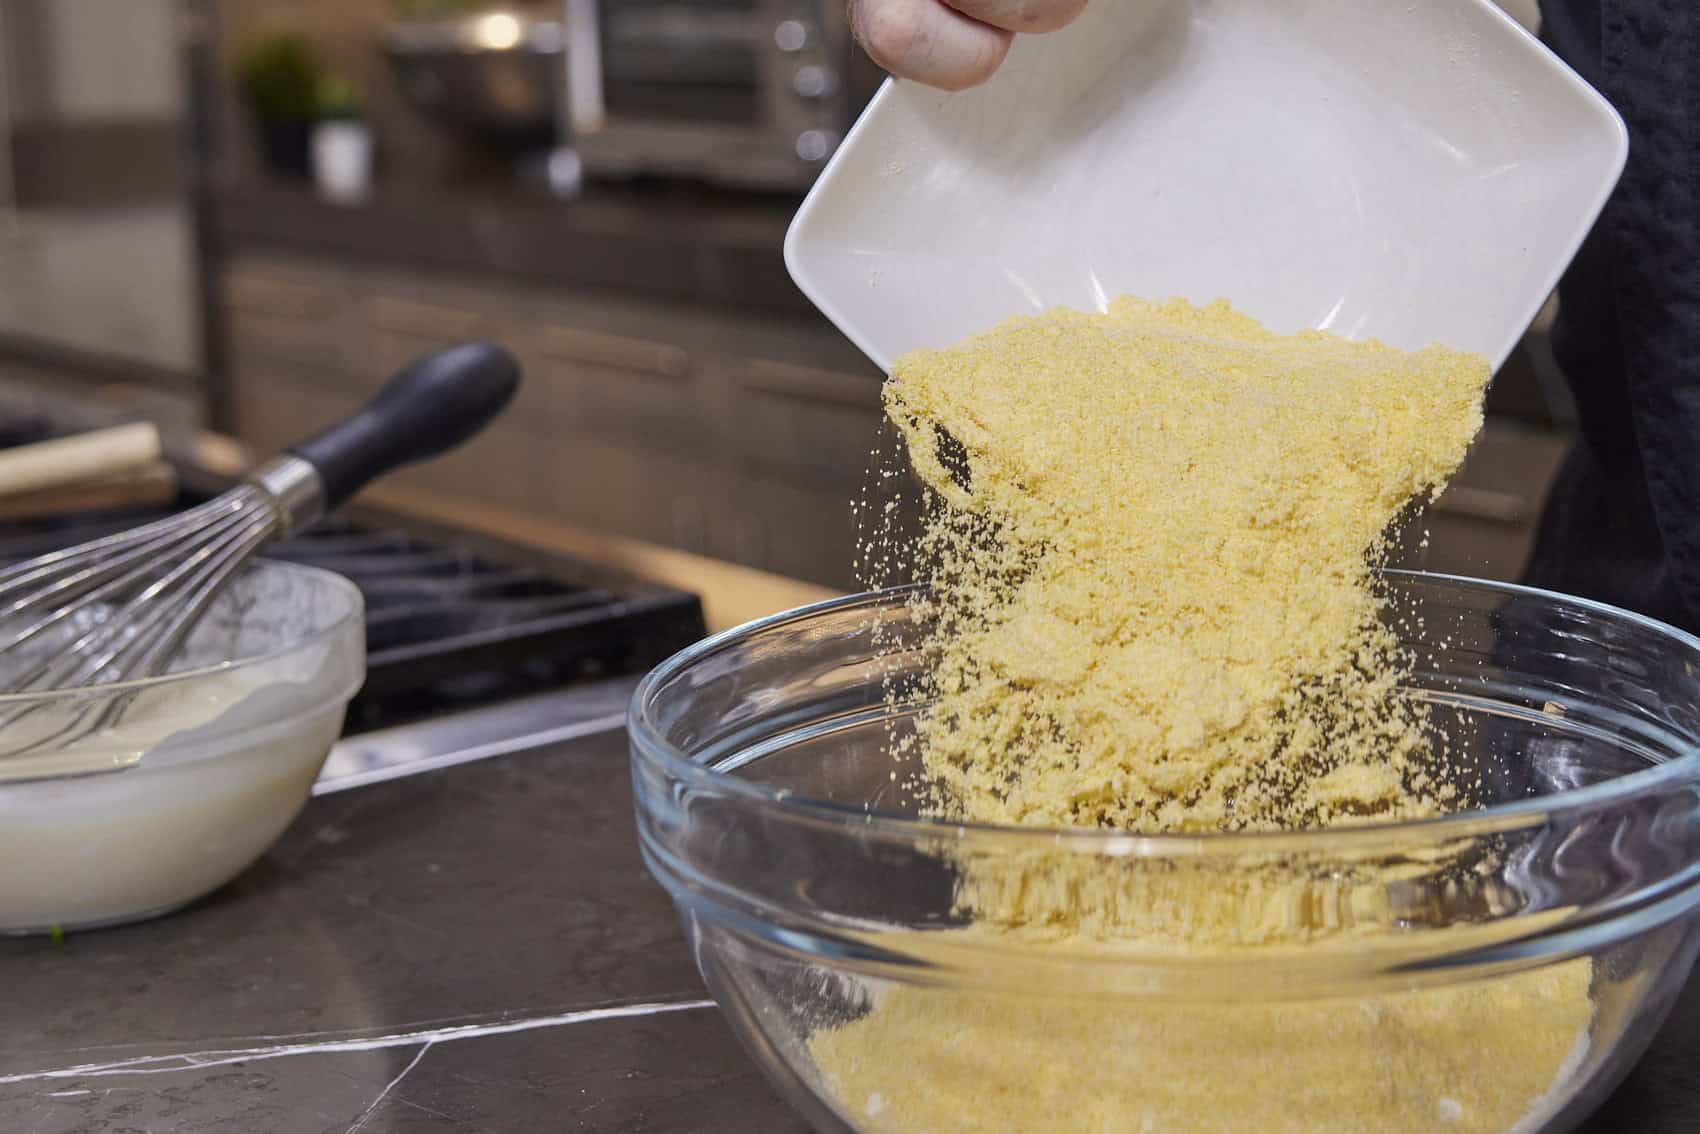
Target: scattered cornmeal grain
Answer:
pixel 1153 609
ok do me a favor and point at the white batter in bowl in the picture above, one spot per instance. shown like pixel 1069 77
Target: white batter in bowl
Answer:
pixel 201 772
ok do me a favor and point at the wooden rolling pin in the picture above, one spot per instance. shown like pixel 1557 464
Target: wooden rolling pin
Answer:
pixel 149 486
pixel 101 454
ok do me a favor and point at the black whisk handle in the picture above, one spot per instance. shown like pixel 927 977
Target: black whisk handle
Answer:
pixel 434 404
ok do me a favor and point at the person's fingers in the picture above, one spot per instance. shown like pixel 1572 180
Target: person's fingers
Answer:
pixel 1026 16
pixel 929 41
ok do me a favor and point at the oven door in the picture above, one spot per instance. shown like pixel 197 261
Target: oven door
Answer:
pixel 684 60
pixel 749 92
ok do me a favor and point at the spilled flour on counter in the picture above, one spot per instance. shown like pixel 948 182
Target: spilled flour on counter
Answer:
pixel 1153 609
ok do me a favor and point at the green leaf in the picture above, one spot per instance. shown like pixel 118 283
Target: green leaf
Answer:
pixel 337 98
pixel 279 76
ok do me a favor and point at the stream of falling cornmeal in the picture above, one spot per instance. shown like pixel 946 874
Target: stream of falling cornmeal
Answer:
pixel 1151 551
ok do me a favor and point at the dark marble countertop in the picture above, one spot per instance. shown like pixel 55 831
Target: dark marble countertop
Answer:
pixel 662 242
pixel 474 949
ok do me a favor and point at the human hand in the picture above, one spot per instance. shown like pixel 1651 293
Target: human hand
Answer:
pixel 952 44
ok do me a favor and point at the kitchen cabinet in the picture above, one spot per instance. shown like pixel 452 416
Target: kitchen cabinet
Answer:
pixel 805 423
pixel 641 382
pixel 798 528
pixel 276 407
pixel 737 436
pixel 400 328
pixel 276 314
pixel 1484 524
pixel 678 499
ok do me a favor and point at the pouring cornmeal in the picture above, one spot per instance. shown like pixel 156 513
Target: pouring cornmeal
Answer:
pixel 1231 839
pixel 1153 609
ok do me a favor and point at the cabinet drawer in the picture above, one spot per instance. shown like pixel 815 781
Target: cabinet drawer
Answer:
pixel 434 322
pixel 599 350
pixel 314 345
pixel 805 533
pixel 260 292
pixel 797 421
pixel 400 330
pixel 274 409
pixel 665 497
pixel 1484 524
pixel 648 391
pixel 288 317
pixel 505 467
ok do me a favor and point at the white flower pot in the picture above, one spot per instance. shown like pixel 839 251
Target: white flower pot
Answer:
pixel 342 160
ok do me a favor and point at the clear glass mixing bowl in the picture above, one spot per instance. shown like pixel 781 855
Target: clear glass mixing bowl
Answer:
pixel 1494 970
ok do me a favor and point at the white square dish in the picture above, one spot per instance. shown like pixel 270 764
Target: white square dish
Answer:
pixel 1410 170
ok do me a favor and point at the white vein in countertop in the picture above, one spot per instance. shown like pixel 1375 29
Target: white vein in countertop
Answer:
pixel 223 1057
pixel 372 1109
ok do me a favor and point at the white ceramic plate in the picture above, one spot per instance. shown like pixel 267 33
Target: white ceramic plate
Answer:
pixel 1411 170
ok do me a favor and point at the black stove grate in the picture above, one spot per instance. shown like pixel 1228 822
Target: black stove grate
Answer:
pixel 451 626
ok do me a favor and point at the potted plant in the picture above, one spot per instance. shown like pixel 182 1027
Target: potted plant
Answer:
pixel 279 78
pixel 342 142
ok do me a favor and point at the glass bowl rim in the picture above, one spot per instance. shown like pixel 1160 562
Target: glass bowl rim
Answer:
pixel 354 613
pixel 650 745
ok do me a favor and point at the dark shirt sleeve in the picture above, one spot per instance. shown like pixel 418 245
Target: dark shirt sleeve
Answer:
pixel 1623 522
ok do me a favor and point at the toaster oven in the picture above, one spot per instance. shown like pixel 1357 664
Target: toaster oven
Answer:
pixel 751 93
pixel 747 93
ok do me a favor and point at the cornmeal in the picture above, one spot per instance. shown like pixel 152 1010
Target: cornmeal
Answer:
pixel 1153 609
pixel 1154 597
pixel 1461 1060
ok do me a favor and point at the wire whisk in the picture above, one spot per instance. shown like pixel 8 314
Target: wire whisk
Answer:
pixel 118 608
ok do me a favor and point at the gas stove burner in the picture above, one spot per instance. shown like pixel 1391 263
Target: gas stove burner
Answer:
pixel 451 627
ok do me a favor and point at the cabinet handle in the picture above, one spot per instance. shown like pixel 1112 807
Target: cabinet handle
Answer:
pixel 594 348
pixel 259 296
pixel 806 384
pixel 424 320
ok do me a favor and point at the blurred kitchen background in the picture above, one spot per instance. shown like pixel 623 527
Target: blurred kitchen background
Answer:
pixel 237 217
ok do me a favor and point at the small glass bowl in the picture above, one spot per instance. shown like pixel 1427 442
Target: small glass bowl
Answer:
pixel 816 896
pixel 191 775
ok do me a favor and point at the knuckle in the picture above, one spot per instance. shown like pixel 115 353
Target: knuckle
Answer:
pixel 928 41
pixel 889 30
pixel 1024 16
pixel 983 65
pixel 1050 15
